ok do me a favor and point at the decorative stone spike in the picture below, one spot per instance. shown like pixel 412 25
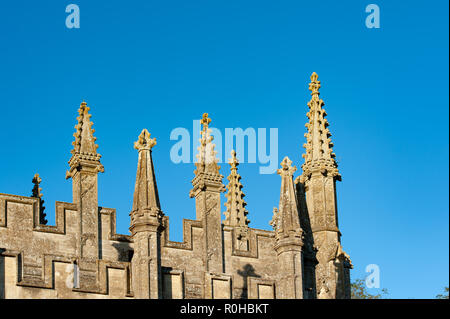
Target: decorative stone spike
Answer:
pixel 236 214
pixel 146 199
pixel 286 220
pixel 206 157
pixel 36 192
pixel 319 154
pixel 144 141
pixel 84 150
pixel 275 217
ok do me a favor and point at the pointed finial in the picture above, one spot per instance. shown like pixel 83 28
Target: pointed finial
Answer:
pixel 206 153
pixel 144 141
pixel 286 167
pixel 286 163
pixel 36 179
pixel 84 109
pixel 36 192
pixel 206 168
pixel 314 86
pixel 205 120
pixel 234 162
pixel 275 219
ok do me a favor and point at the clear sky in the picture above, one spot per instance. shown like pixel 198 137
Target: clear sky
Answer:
pixel 160 64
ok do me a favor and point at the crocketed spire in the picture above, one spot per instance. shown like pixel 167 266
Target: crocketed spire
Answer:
pixel 319 154
pixel 84 148
pixel 146 197
pixel 236 214
pixel 286 222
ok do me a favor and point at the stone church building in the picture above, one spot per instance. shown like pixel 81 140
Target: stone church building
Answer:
pixel 82 256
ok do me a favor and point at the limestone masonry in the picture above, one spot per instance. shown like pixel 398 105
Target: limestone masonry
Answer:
pixel 83 257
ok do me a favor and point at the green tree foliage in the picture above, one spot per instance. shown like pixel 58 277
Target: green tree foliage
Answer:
pixel 444 295
pixel 359 291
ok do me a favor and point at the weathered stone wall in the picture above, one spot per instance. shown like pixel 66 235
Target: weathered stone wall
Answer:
pixel 40 261
pixel 256 266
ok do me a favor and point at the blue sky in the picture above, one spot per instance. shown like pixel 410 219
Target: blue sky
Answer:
pixel 160 64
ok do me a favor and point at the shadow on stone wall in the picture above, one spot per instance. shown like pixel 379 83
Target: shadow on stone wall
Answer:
pixel 309 253
pixel 124 251
pixel 246 272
